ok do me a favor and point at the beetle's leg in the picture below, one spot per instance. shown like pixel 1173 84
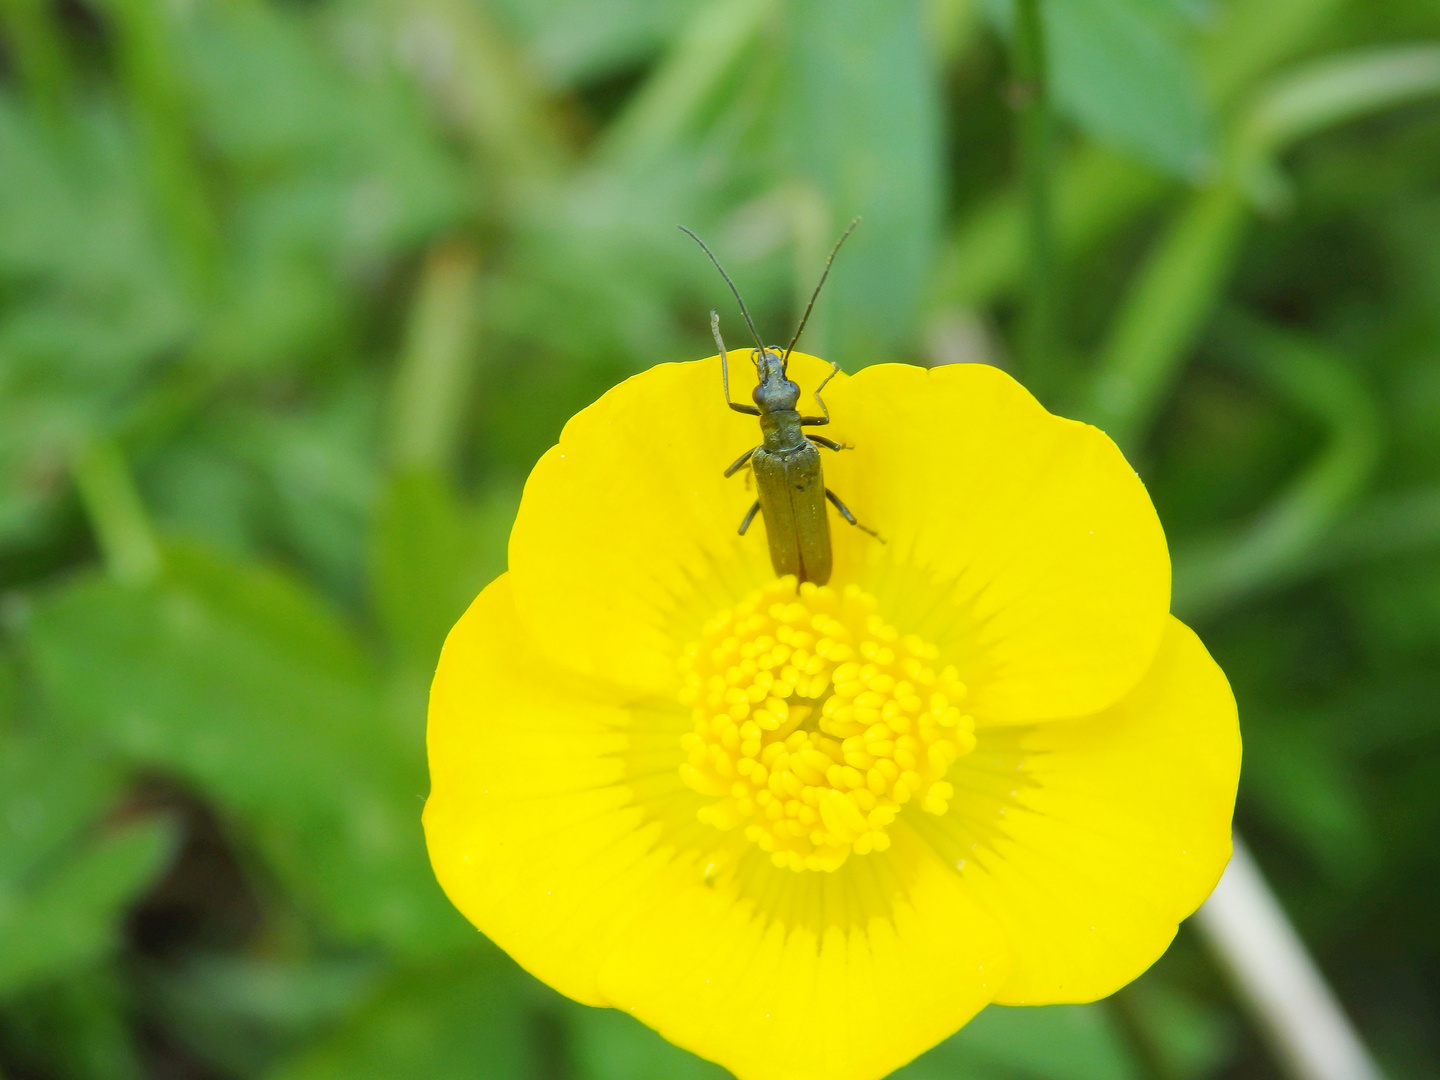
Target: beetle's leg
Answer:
pixel 748 410
pixel 844 510
pixel 829 444
pixel 749 517
pixel 848 516
pixel 818 421
pixel 740 462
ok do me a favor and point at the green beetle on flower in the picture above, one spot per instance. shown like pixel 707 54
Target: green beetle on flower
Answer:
pixel 809 831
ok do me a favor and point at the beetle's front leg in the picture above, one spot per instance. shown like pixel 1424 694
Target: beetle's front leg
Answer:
pixel 739 462
pixel 820 421
pixel 748 410
pixel 829 444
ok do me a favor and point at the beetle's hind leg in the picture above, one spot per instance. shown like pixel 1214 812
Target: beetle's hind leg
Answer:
pixel 848 516
pixel 829 444
pixel 739 463
pixel 749 517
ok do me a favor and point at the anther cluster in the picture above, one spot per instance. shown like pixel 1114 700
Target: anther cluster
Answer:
pixel 816 721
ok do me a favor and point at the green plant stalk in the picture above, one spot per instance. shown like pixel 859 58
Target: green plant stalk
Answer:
pixel 1388 526
pixel 117 514
pixel 1032 90
pixel 434 372
pixel 478 78
pixel 661 111
pixel 1252 37
pixel 1163 311
pixel 1213 574
pixel 1125 1009
pixel 1185 273
pixel 1095 191
pixel 952 26
pixel 1320 95
pixel 151 73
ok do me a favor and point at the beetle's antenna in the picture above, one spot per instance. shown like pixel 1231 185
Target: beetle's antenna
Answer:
pixel 743 310
pixel 816 294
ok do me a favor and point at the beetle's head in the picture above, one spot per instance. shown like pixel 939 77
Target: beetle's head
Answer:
pixel 775 390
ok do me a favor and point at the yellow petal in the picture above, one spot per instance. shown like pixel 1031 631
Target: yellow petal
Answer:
pixel 529 822
pixel 558 825
pixel 1021 543
pixel 814 976
pixel 1091 839
pixel 625 542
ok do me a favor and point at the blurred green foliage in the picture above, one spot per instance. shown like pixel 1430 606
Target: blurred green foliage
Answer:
pixel 293 292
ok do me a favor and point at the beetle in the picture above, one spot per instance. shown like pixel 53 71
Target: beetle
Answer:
pixel 789 477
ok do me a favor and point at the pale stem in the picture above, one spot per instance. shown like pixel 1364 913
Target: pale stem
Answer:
pixel 1250 934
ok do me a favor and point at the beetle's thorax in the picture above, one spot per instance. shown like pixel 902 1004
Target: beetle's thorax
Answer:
pixel 781 430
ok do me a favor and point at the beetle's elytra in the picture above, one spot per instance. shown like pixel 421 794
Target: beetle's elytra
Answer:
pixel 789 477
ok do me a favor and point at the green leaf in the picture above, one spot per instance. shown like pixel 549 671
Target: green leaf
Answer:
pixel 79 1027
pixel 245 1013
pixel 432 556
pixel 65 883
pixel 607 1044
pixel 52 789
pixel 1304 786
pixel 331 171
pixel 463 1019
pixel 1052 1042
pixel 322 472
pixel 573 41
pixel 9 693
pixel 90 302
pixel 860 130
pixel 1126 70
pixel 1192 1037
pixel 72 918
pixel 245 683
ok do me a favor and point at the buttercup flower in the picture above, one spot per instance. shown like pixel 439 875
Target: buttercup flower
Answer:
pixel 809 832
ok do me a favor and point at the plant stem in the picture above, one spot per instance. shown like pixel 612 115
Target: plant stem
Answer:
pixel 666 106
pixel 117 514
pixel 1032 95
pixel 1254 940
pixel 153 74
pixel 1095 191
pixel 1173 294
pixel 1214 573
pixel 432 381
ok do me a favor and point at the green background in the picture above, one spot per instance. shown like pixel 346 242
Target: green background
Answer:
pixel 294 292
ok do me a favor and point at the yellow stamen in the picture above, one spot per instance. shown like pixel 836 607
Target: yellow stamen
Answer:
pixel 816 721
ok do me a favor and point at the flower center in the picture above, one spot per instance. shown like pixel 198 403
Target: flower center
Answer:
pixel 816 721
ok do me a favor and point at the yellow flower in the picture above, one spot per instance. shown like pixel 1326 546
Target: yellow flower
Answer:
pixel 808 833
